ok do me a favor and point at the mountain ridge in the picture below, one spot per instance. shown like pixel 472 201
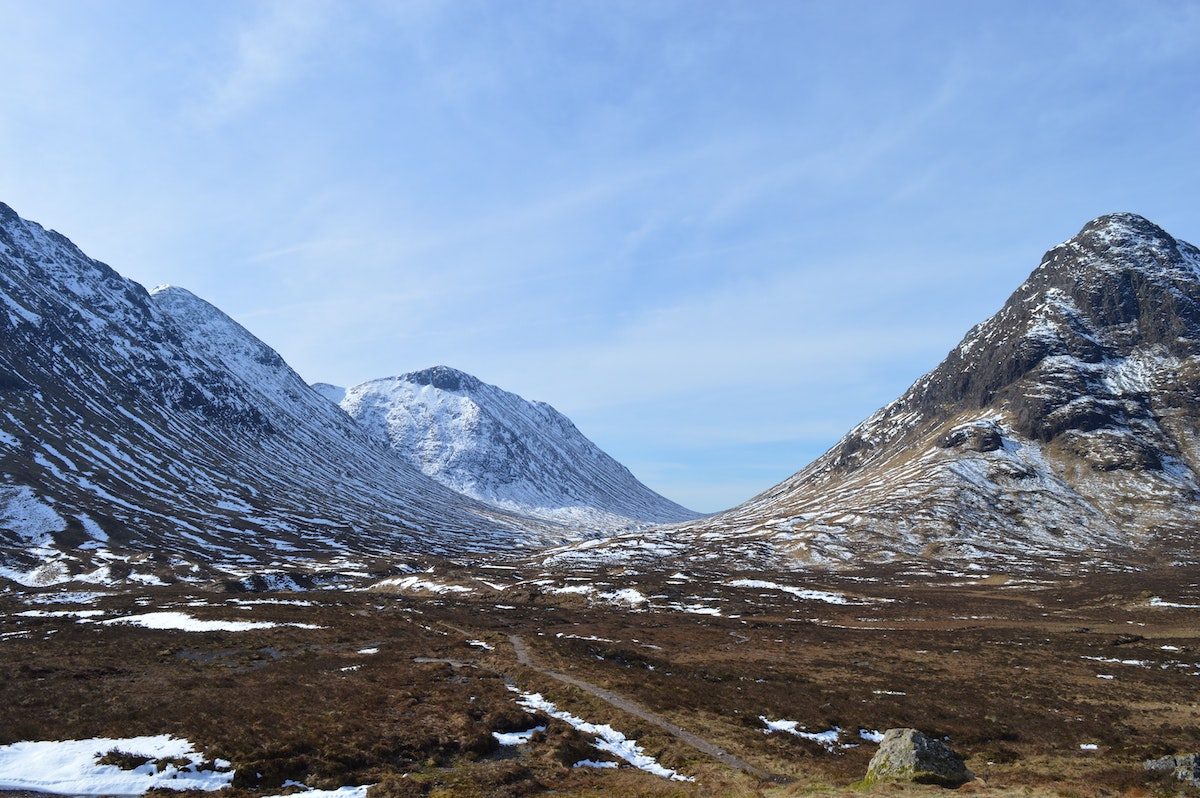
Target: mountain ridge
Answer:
pixel 150 436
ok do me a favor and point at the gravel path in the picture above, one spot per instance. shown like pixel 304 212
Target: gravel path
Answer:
pixel 622 703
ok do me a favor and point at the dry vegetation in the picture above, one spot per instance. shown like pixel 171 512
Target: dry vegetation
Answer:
pixel 1011 673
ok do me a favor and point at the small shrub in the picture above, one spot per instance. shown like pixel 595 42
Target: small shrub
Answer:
pixel 509 719
pixel 398 787
pixel 123 759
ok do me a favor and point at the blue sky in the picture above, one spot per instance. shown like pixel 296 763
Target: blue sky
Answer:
pixel 715 234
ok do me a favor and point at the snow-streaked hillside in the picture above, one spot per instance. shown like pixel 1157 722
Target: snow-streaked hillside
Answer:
pixel 150 436
pixel 334 393
pixel 1065 428
pixel 497 447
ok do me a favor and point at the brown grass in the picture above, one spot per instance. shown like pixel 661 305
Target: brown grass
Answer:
pixel 1008 673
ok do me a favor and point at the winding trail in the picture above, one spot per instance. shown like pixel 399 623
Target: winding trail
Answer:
pixel 624 704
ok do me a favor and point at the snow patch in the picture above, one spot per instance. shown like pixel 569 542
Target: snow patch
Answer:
pixel 801 593
pixel 71 767
pixel 517 738
pixel 22 512
pixel 419 584
pixel 186 623
pixel 826 739
pixel 608 739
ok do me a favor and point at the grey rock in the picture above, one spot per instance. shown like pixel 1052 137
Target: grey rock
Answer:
pixel 1185 768
pixel 983 436
pixel 909 755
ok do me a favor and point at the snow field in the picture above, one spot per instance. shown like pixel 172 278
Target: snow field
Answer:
pixel 186 623
pixel 71 767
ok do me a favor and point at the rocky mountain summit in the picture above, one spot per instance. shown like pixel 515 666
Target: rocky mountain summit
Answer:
pixel 499 448
pixel 149 436
pixel 1064 428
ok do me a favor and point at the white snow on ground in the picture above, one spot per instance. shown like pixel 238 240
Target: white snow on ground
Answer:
pixel 186 623
pixel 65 598
pixel 826 739
pixel 608 739
pixel 481 644
pixel 628 597
pixel 1089 747
pixel 1110 661
pixel 70 767
pixel 23 513
pixel 52 571
pixel 281 602
pixel 59 613
pixel 368 651
pixel 871 735
pixel 1155 601
pixel 340 792
pixel 516 738
pixel 592 638
pixel 799 592
pixel 417 583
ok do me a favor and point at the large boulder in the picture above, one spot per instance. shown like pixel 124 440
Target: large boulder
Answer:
pixel 908 755
pixel 1184 768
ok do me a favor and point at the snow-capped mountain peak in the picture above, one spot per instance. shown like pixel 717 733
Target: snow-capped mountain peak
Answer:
pixel 500 448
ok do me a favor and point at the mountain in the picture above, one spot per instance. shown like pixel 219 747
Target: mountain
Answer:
pixel 1064 429
pixel 149 436
pixel 334 393
pixel 499 448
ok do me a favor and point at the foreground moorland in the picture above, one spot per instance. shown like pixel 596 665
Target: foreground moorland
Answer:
pixel 1046 685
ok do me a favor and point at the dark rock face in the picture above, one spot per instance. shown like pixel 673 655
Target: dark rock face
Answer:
pixel 984 436
pixel 444 378
pixel 908 755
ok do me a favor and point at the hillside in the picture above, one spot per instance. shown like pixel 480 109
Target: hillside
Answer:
pixel 149 436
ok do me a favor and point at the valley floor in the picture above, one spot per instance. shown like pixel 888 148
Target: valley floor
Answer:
pixel 752 686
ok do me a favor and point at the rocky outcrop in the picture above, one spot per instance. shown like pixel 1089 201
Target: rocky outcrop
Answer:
pixel 909 755
pixel 1185 768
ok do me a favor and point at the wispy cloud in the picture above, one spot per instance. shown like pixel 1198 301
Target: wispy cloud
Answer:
pixel 294 249
pixel 270 49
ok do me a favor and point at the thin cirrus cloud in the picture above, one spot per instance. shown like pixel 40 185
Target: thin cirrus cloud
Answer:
pixel 277 45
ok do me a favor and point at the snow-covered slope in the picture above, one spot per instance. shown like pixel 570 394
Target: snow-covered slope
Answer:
pixel 1065 428
pixel 334 393
pixel 497 447
pixel 151 435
